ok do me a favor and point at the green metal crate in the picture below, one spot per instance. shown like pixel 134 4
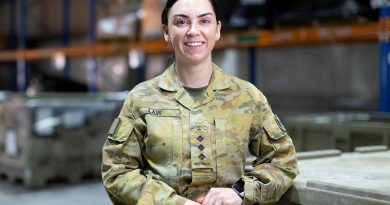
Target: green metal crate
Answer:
pixel 343 131
pixel 54 137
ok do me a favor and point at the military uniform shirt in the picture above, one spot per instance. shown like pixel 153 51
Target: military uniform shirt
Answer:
pixel 165 147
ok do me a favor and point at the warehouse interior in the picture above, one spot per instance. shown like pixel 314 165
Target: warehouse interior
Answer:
pixel 66 67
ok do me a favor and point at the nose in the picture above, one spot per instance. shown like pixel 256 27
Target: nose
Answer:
pixel 193 30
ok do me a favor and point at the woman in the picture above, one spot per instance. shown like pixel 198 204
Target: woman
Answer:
pixel 183 137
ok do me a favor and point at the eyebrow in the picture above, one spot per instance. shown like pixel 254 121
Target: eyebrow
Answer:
pixel 199 16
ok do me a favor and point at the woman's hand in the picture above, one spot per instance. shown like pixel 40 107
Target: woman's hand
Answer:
pixel 222 196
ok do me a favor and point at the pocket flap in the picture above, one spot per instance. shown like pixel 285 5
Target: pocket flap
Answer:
pixel 274 128
pixel 120 129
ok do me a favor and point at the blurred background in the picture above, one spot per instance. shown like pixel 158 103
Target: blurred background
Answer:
pixel 66 66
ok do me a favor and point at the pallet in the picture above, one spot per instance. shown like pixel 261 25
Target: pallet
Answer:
pixel 68 154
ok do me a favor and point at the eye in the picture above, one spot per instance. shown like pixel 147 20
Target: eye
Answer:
pixel 182 22
pixel 205 21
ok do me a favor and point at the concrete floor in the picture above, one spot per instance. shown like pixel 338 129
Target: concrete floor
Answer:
pixel 86 193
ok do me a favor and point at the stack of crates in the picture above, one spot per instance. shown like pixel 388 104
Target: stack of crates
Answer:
pixel 54 138
pixel 98 127
pixel 340 130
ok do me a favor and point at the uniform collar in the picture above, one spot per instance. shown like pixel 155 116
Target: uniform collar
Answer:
pixel 170 81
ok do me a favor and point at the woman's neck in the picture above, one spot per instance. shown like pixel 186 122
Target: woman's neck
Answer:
pixel 194 75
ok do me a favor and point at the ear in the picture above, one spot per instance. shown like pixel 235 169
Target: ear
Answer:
pixel 165 33
pixel 218 33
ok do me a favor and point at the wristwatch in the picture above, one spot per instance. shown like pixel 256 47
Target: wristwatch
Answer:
pixel 238 187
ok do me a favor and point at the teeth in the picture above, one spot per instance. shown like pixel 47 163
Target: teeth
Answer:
pixel 194 44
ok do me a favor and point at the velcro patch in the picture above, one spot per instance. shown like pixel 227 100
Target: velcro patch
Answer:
pixel 280 124
pixel 114 126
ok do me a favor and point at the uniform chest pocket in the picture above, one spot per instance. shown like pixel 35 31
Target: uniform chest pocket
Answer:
pixel 232 138
pixel 162 140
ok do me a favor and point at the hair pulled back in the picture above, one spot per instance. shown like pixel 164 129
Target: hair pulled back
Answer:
pixel 170 3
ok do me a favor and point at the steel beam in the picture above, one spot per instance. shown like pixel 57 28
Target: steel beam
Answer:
pixel 384 78
pixel 92 62
pixel 21 62
pixel 252 65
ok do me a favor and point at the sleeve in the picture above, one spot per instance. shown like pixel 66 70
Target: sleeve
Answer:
pixel 275 166
pixel 123 166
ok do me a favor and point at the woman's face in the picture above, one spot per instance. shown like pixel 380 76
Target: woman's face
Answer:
pixel 192 30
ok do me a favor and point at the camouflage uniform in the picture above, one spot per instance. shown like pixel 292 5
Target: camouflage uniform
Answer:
pixel 164 147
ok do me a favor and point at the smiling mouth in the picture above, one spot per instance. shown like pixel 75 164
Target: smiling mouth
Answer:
pixel 194 44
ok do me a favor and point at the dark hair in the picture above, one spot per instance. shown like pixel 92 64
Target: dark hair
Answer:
pixel 170 3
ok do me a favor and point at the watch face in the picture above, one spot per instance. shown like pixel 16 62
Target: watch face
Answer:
pixel 239 187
